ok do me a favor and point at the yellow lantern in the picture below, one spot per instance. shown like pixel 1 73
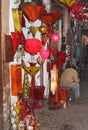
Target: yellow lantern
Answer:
pixel 17 19
pixel 68 2
pixel 43 29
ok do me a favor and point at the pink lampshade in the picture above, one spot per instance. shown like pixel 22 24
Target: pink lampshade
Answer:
pixel 55 37
pixel 44 54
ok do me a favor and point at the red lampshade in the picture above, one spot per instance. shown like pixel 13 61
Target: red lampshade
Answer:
pixel 33 12
pixel 50 18
pixel 17 39
pixel 33 45
pixel 55 37
pixel 44 54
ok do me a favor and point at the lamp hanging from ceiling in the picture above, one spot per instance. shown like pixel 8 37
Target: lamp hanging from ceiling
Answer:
pixel 44 54
pixel 33 12
pixel 77 8
pixel 68 2
pixel 50 18
pixel 33 45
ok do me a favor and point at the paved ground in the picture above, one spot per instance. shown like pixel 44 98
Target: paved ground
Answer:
pixel 75 117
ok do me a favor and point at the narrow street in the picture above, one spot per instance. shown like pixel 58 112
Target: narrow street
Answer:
pixel 74 117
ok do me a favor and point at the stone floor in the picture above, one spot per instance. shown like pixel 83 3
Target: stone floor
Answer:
pixel 75 117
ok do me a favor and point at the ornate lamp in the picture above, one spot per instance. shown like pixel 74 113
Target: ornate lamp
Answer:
pixel 33 45
pixel 68 2
pixel 77 8
pixel 33 11
pixel 32 71
pixel 54 88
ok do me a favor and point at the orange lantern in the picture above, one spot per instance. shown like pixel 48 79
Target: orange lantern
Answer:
pixel 16 79
pixel 33 12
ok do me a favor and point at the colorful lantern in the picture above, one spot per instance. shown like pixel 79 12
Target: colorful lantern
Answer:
pixel 33 45
pixel 16 79
pixel 55 37
pixel 50 18
pixel 17 18
pixel 80 16
pixel 33 12
pixel 77 8
pixel 42 29
pixel 17 39
pixel 54 80
pixel 44 54
pixel 68 2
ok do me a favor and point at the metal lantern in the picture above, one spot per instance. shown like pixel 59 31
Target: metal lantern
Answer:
pixel 42 29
